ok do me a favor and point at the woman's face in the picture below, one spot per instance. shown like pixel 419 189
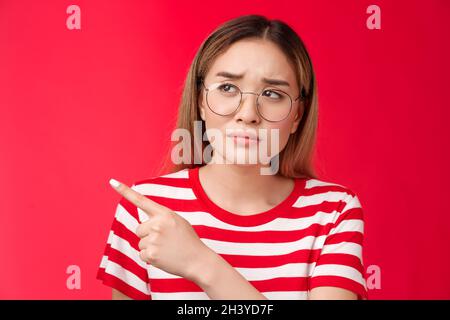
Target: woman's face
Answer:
pixel 254 60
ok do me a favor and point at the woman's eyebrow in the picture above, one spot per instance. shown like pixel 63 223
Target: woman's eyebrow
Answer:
pixel 274 82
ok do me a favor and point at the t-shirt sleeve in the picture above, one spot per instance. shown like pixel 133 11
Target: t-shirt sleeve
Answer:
pixel 121 267
pixel 340 263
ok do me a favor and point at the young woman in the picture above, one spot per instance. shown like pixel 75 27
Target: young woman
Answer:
pixel 221 227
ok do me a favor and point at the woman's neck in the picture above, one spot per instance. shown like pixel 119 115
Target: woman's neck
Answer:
pixel 243 186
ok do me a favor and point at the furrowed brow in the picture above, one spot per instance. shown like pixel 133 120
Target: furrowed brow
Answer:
pixel 276 82
pixel 229 75
pixel 233 76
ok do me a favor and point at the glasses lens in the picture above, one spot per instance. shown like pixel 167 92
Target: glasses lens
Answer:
pixel 274 105
pixel 223 98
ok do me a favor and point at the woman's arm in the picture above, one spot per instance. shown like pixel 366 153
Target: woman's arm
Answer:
pixel 221 281
pixel 331 293
pixel 117 295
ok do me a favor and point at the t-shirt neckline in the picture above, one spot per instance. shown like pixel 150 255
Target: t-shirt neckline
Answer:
pixel 245 220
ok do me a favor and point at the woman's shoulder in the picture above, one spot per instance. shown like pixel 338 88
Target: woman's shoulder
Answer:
pixel 180 174
pixel 173 184
pixel 327 190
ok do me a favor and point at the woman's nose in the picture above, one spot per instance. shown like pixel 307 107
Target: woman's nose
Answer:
pixel 247 111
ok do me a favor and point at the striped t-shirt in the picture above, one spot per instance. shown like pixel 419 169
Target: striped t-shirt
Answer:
pixel 312 238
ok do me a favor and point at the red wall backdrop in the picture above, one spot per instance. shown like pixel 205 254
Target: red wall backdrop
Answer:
pixel 81 106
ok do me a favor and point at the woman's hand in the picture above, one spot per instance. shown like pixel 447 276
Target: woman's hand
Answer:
pixel 168 241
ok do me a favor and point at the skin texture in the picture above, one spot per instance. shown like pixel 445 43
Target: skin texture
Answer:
pixel 227 185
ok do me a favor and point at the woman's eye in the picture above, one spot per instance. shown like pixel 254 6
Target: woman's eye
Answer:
pixel 227 87
pixel 272 94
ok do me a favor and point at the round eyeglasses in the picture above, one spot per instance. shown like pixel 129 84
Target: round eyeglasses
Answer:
pixel 225 99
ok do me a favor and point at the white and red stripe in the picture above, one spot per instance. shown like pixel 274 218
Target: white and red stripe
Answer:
pixel 313 238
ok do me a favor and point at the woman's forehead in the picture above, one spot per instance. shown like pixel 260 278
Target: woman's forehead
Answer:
pixel 254 60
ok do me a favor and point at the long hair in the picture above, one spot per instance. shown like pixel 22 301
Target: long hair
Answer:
pixel 296 159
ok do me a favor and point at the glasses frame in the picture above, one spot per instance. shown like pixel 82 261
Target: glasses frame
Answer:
pixel 300 97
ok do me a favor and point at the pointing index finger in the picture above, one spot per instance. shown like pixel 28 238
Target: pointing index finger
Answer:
pixel 150 207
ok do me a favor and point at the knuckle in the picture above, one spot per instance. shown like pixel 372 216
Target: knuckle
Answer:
pixel 169 219
pixel 157 228
pixel 152 238
pixel 151 255
pixel 155 238
pixel 140 199
pixel 143 255
pixel 142 244
pixel 141 230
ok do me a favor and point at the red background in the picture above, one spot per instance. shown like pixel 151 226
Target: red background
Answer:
pixel 81 106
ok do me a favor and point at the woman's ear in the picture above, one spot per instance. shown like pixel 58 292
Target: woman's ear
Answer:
pixel 201 107
pixel 297 119
pixel 202 112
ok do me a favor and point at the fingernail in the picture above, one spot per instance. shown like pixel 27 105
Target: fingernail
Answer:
pixel 114 183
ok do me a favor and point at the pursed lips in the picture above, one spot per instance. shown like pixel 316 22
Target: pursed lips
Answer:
pixel 245 135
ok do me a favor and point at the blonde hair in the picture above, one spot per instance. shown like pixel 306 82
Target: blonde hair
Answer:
pixel 296 159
